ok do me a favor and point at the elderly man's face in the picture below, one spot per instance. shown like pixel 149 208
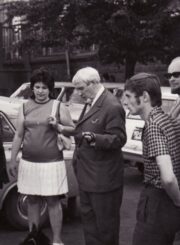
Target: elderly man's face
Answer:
pixel 85 90
pixel 174 76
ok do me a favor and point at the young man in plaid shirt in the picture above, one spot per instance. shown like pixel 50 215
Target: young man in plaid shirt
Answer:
pixel 158 212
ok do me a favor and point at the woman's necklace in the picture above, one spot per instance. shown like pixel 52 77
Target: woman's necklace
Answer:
pixel 42 102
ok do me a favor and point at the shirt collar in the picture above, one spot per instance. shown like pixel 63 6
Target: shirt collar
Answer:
pixel 99 93
pixel 154 111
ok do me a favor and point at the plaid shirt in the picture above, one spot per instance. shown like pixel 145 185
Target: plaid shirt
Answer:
pixel 161 136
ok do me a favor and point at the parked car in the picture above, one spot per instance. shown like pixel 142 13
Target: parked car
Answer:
pixel 134 125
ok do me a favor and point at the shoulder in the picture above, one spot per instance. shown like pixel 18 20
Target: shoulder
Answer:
pixel 162 120
pixel 28 103
pixel 158 124
pixel 109 97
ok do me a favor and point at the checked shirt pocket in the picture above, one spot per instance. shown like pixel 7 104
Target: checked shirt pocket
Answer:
pixel 147 210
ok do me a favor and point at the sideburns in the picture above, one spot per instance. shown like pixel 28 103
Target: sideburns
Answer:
pixel 137 100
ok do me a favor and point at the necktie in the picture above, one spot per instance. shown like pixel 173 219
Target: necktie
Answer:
pixel 84 110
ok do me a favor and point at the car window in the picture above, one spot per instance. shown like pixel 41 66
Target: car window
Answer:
pixel 56 92
pixel 71 95
pixel 24 93
pixel 6 128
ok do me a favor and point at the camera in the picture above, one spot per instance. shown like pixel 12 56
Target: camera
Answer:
pixel 90 137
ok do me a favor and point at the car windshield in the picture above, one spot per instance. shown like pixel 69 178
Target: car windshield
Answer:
pixel 71 95
pixel 23 92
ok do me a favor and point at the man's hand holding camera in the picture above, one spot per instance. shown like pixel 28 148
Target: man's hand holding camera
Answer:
pixel 89 137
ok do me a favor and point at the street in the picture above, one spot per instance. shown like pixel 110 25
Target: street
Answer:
pixel 72 229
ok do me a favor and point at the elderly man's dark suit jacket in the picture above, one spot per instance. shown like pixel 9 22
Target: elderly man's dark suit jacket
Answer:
pixel 99 168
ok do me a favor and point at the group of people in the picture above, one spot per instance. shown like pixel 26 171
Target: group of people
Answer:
pixel 98 161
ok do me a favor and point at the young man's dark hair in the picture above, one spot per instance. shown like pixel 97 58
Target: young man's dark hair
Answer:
pixel 145 82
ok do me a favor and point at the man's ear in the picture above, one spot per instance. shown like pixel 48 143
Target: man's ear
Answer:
pixel 146 96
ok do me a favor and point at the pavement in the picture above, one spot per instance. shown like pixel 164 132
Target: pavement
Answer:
pixel 72 233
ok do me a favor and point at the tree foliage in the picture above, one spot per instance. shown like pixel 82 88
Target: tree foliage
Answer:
pixel 42 21
pixel 125 31
pixel 129 31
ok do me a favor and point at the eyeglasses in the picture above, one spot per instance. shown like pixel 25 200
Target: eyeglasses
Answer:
pixel 173 74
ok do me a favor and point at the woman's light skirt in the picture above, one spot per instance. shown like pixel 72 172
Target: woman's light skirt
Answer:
pixel 44 179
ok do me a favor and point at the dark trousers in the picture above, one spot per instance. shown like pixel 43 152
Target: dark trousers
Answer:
pixel 101 216
pixel 158 219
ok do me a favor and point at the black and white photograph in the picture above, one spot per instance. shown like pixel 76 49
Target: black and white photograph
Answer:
pixel 89 122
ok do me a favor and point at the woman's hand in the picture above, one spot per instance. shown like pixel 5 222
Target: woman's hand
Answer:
pixel 52 121
pixel 13 168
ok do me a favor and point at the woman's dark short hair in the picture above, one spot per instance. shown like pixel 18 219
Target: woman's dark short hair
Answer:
pixel 145 82
pixel 44 76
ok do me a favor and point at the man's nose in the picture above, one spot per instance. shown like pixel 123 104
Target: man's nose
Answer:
pixel 124 101
pixel 171 79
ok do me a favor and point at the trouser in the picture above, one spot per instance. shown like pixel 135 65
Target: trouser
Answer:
pixel 101 216
pixel 158 219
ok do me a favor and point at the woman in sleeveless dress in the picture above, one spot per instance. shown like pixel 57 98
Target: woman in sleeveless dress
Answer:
pixel 41 170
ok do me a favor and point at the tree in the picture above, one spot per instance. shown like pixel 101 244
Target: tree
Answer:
pixel 41 21
pixel 125 31
pixel 128 31
pixel 42 25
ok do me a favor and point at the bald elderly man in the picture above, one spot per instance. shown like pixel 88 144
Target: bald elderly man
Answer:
pixel 173 76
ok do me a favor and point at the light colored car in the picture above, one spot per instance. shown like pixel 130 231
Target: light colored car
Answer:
pixel 134 126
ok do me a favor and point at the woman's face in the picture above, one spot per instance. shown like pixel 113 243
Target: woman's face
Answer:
pixel 41 92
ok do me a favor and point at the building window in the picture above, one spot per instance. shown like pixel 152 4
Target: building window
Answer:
pixel 12 37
